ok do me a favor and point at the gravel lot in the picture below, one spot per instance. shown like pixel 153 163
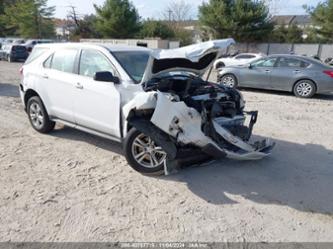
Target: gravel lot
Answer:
pixel 70 186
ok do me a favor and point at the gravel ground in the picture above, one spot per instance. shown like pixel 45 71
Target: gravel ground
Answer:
pixel 71 186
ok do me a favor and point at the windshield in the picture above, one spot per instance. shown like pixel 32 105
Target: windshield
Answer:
pixel 134 62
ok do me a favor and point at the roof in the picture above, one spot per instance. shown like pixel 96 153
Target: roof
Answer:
pixel 62 22
pixel 111 47
pixel 291 19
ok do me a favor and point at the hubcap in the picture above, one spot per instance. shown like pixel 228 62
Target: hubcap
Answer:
pixel 304 89
pixel 228 81
pixel 146 152
pixel 36 115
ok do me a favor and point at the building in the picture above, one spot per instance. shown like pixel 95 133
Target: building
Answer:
pixel 302 21
pixel 63 28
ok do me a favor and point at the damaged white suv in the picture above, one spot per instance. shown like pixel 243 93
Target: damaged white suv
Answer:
pixel 153 101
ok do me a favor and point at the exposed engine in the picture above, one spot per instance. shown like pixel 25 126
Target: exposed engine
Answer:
pixel 214 102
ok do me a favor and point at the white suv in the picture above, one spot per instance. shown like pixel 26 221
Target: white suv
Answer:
pixel 153 101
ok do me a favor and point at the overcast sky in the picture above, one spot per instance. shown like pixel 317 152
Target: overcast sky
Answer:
pixel 153 8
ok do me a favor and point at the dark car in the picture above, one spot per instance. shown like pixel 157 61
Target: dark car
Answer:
pixel 301 75
pixel 11 53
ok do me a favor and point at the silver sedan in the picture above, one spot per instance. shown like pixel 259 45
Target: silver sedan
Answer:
pixel 298 74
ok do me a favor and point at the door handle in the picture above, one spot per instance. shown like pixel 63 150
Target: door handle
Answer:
pixel 267 71
pixel 79 85
pixel 45 76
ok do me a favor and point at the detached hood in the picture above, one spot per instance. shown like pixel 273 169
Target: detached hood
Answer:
pixel 195 58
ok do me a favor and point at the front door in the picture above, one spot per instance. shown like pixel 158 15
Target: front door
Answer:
pixel 258 75
pixel 96 103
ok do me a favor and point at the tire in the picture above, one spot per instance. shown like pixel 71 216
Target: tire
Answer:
pixel 140 154
pixel 228 80
pixel 304 89
pixel 38 117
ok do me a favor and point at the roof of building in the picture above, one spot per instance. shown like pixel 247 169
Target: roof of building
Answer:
pixel 291 19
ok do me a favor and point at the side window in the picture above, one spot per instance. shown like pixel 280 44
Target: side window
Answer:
pixel 292 63
pixel 63 60
pixel 245 56
pixel 47 63
pixel 93 61
pixel 265 62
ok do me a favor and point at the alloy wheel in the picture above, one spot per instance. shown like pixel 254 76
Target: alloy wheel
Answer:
pixel 36 115
pixel 304 89
pixel 146 152
pixel 228 81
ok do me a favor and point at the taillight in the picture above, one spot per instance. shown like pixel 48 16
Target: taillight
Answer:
pixel 21 70
pixel 329 73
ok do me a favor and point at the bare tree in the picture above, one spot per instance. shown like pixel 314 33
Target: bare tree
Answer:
pixel 178 11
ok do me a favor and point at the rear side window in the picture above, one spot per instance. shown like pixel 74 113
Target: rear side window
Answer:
pixel 47 63
pixel 35 53
pixel 292 63
pixel 63 60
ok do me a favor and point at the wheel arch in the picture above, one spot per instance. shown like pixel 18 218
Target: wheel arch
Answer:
pixel 29 94
pixel 304 78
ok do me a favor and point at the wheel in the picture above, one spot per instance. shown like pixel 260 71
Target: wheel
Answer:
pixel 38 117
pixel 228 80
pixel 219 65
pixel 143 154
pixel 304 89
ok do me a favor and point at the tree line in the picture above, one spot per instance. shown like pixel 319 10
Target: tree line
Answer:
pixel 244 20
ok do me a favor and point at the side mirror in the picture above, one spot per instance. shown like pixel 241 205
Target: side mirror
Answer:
pixel 106 76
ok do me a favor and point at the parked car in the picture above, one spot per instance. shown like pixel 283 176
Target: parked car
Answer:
pixel 154 102
pixel 301 75
pixel 13 53
pixel 29 44
pixel 1 41
pixel 237 60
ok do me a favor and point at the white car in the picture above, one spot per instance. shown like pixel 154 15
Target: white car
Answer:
pixel 237 60
pixel 154 102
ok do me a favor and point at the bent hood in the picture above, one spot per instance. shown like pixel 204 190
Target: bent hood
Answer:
pixel 195 58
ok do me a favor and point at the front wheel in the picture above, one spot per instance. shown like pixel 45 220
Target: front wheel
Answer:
pixel 304 89
pixel 143 154
pixel 228 80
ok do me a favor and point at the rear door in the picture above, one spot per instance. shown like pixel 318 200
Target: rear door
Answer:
pixel 287 71
pixel 259 74
pixel 97 103
pixel 58 84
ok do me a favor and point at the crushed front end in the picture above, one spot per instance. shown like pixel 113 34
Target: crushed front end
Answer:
pixel 211 117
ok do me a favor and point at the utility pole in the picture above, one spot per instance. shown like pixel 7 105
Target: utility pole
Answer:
pixel 170 13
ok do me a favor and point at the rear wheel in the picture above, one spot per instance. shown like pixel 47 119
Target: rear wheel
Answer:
pixel 38 117
pixel 143 154
pixel 304 89
pixel 228 80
